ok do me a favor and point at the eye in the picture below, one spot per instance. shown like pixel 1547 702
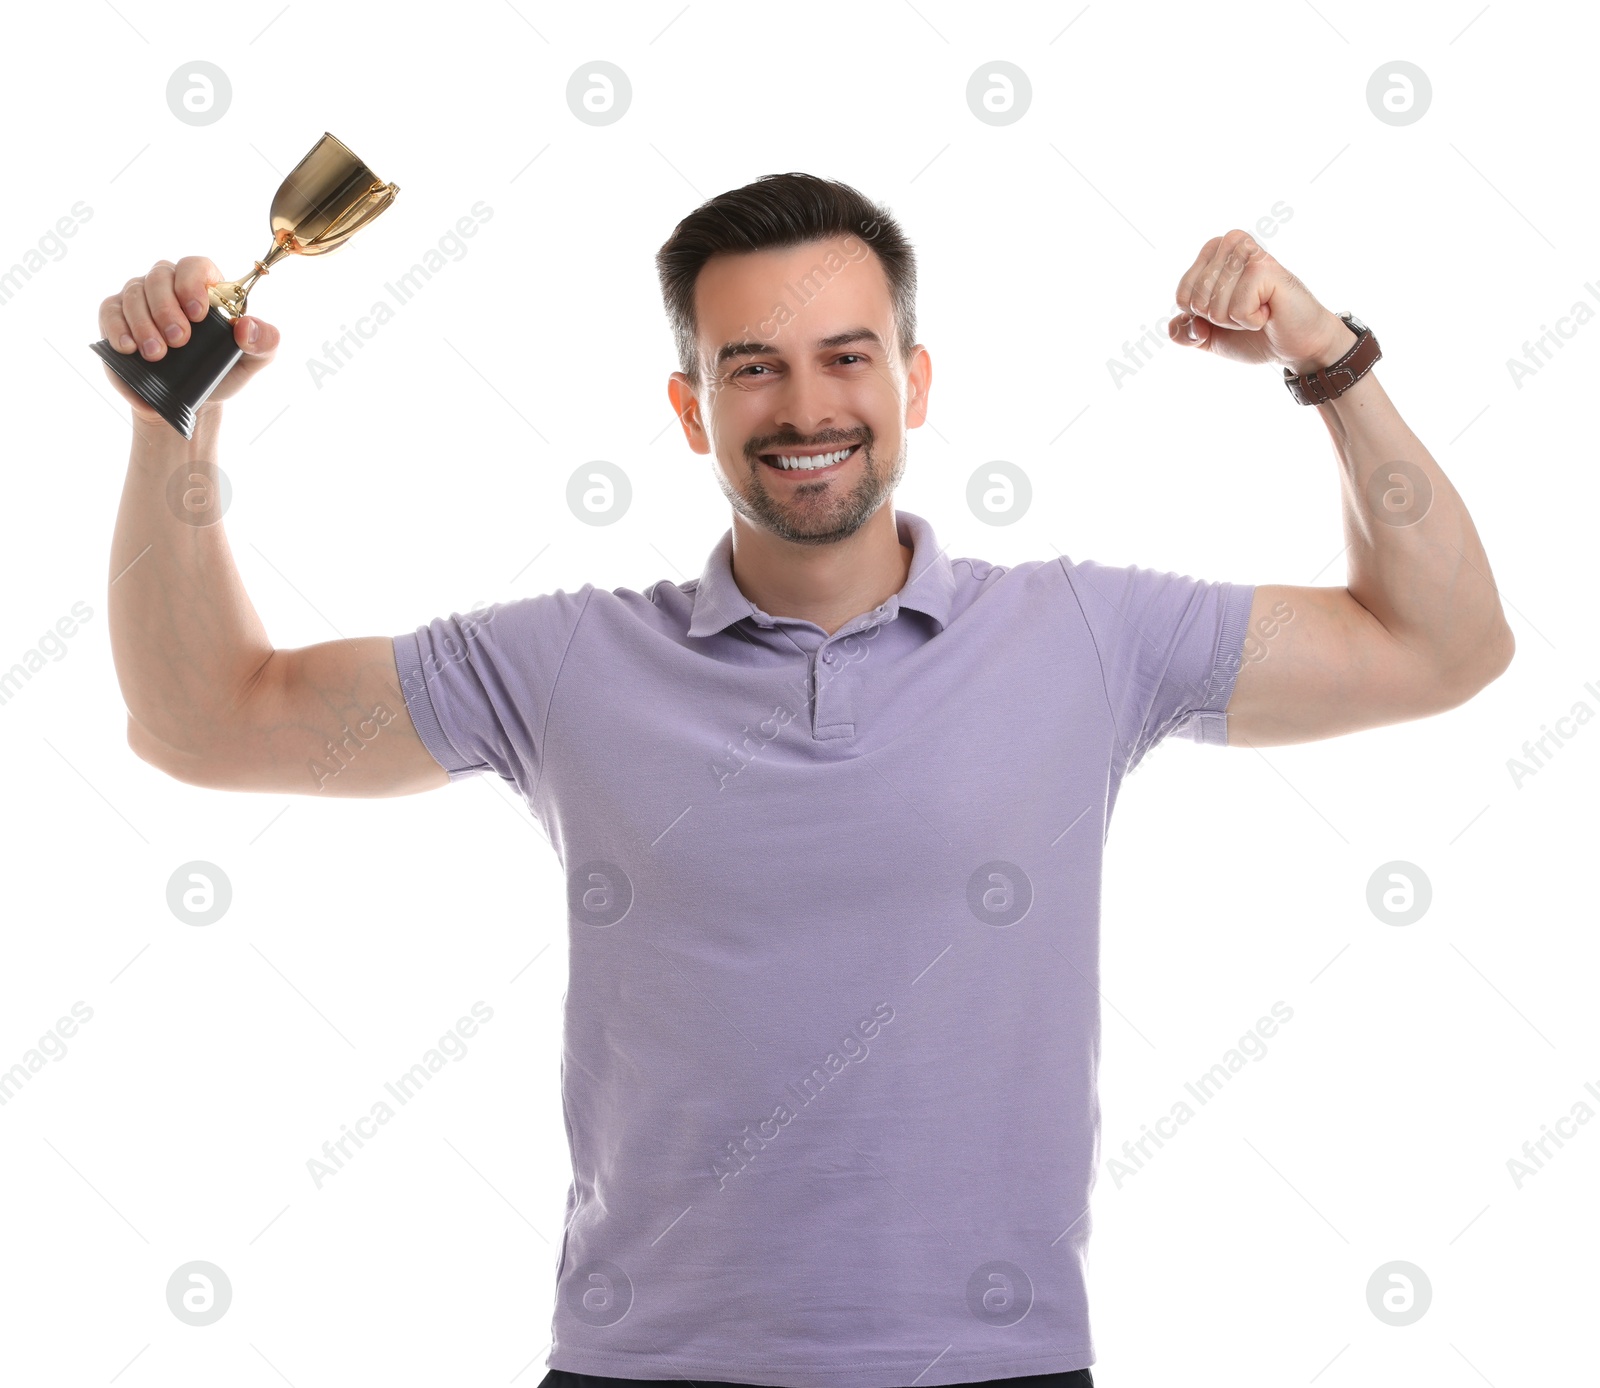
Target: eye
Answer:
pixel 761 366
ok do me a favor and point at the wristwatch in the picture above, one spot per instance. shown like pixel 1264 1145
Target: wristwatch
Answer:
pixel 1328 382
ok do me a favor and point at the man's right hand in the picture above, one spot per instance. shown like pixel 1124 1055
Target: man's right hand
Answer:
pixel 153 312
pixel 210 701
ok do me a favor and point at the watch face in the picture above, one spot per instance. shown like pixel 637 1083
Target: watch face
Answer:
pixel 1356 325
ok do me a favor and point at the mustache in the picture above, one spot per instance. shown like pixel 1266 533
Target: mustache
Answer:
pixel 836 439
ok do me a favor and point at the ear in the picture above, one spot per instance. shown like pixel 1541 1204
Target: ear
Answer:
pixel 918 381
pixel 686 405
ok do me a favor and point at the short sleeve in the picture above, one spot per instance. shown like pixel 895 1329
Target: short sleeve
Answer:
pixel 1170 648
pixel 479 685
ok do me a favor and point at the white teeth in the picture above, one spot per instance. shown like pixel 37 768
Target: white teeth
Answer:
pixel 821 460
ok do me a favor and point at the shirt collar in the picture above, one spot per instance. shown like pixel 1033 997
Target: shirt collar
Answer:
pixel 930 588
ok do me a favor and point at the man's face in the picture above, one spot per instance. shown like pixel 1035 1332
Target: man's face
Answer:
pixel 798 361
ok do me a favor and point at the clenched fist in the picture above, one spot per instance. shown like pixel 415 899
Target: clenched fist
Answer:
pixel 1240 303
pixel 154 311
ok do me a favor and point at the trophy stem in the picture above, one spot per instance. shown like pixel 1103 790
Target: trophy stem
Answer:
pixel 230 295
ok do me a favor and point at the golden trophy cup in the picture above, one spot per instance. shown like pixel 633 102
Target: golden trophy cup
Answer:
pixel 328 197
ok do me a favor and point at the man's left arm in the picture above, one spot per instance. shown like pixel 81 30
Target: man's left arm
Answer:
pixel 1418 627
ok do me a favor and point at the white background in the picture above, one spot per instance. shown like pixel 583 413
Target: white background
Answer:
pixel 427 475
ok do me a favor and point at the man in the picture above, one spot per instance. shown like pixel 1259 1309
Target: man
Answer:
pixel 832 813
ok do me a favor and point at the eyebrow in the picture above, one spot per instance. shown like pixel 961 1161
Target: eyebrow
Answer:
pixel 730 350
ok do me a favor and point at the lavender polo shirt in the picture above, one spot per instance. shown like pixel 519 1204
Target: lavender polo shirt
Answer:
pixel 831 1024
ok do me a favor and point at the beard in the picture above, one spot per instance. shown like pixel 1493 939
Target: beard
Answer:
pixel 814 513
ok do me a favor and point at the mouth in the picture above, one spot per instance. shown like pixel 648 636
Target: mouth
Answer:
pixel 811 462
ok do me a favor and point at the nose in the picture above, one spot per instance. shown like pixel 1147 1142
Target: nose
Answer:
pixel 806 406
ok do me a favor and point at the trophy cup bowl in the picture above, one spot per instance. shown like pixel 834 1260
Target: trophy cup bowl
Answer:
pixel 327 197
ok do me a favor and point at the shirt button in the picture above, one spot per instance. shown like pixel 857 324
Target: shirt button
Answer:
pixel 827 657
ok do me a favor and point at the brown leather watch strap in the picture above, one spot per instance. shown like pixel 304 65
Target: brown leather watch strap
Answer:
pixel 1329 382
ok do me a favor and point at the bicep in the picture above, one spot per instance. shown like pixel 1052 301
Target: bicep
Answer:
pixel 328 719
pixel 1317 664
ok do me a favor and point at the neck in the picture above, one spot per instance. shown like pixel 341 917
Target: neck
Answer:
pixel 824 584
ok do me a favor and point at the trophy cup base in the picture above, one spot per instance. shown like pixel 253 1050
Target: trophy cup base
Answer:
pixel 181 381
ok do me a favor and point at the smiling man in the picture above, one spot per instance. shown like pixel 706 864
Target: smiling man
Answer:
pixel 805 415
pixel 831 814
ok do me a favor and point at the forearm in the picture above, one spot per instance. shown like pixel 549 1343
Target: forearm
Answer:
pixel 186 641
pixel 1414 558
